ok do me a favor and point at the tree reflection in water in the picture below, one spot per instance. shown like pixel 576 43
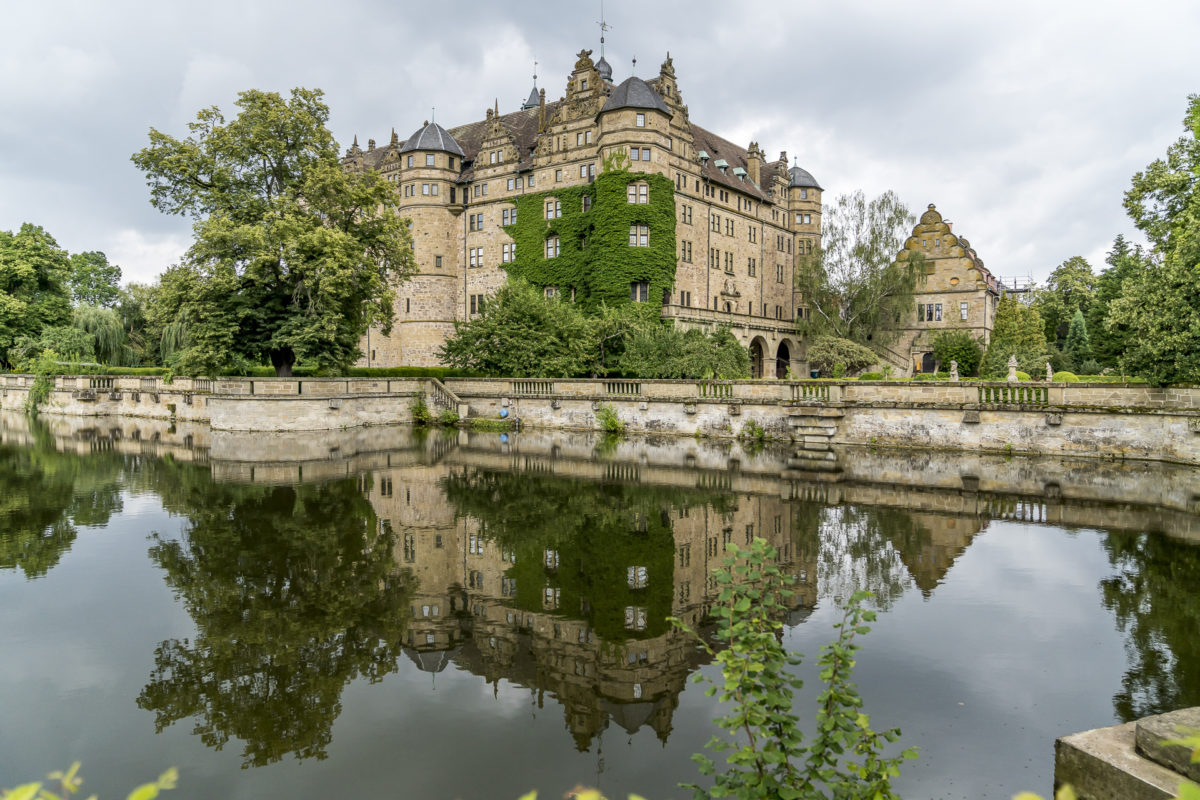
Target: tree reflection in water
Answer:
pixel 1153 594
pixel 45 494
pixel 295 591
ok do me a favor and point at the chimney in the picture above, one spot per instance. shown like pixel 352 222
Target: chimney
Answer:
pixel 541 109
pixel 754 162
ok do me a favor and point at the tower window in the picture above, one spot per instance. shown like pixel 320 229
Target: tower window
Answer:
pixel 640 120
pixel 639 236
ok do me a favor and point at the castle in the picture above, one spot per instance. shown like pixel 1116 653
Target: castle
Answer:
pixel 710 229
pixel 740 222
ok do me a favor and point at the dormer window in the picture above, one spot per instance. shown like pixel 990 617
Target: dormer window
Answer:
pixel 640 120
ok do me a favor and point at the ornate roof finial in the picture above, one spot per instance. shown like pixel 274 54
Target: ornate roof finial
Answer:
pixel 535 73
pixel 635 65
pixel 604 27
pixel 432 114
pixel 497 106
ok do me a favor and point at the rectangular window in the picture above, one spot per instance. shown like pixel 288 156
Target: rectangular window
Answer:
pixel 636 577
pixel 639 236
pixel 645 154
pixel 425 188
pixel 640 120
pixel 473 261
pixel 552 247
pixel 492 157
pixel 729 227
pixel 962 310
pixel 729 262
pixel 634 154
pixel 714 223
pixel 479 221
pixel 714 257
pixel 937 313
pixel 433 189
pixel 929 312
pixel 504 217
pixel 799 219
pixel 529 183
pixel 429 159
pixel 808 219
pixel 437 262
pixel 485 190
pixel 685 215
pixel 587 202
pixel 579 139
pixel 752 232
pixel 639 291
pixel 410 161
pixel 779 273
pixel 685 252
pixel 558 176
pixel 506 253
pixel 512 184
pixel 751 266
pixel 550 291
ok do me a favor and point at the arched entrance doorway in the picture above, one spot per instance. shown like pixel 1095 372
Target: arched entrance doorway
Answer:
pixel 783 360
pixel 756 359
pixel 928 364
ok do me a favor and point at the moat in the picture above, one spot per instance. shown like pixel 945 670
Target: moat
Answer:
pixel 390 612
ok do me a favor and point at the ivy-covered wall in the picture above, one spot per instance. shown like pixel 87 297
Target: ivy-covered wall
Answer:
pixel 595 257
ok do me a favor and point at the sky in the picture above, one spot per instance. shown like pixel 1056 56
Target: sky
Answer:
pixel 1022 121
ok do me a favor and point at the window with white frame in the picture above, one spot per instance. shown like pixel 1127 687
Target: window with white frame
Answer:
pixel 962 310
pixel 639 236
pixel 636 577
pixel 638 193
pixel 429 160
pixel 553 208
pixel 552 247
pixel 640 120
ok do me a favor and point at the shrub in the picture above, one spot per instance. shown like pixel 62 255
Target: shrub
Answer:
pixel 871 376
pixel 448 417
pixel 1023 376
pixel 753 431
pixel 484 425
pixel 827 353
pixel 609 421
pixel 1065 377
pixel 421 415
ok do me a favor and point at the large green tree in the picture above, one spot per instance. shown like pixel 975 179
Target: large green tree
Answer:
pixel 1160 305
pixel 293 256
pixel 33 286
pixel 1018 331
pixel 1070 288
pixel 93 280
pixel 1109 337
pixel 853 284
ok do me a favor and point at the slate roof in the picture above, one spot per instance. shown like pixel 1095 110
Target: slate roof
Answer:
pixel 803 178
pixel 533 100
pixel 604 68
pixel 634 93
pixel 432 137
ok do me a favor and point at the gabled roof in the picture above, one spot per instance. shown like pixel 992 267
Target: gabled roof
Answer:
pixel 432 137
pixel 635 93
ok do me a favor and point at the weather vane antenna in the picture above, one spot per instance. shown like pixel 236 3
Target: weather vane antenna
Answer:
pixel 535 73
pixel 604 26
pixel 433 114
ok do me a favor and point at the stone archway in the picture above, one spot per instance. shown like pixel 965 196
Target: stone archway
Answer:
pixel 756 358
pixel 928 364
pixel 783 360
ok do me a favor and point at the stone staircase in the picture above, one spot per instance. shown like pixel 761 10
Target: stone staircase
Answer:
pixel 813 429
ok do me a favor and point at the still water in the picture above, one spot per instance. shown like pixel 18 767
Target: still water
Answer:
pixel 379 613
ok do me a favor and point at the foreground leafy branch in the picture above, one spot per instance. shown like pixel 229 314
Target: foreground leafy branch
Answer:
pixel 766 753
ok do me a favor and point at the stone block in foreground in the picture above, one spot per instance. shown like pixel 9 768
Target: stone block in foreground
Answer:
pixel 1108 764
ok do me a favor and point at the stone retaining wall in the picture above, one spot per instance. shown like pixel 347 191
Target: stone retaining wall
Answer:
pixel 1104 420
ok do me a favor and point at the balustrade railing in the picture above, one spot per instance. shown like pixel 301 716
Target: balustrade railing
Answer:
pixel 622 388
pixel 532 387
pixel 810 392
pixel 1014 394
pixel 718 389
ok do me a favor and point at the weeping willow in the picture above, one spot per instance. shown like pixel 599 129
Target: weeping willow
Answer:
pixel 174 339
pixel 104 325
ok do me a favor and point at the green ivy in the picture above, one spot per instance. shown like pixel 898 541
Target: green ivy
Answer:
pixel 594 255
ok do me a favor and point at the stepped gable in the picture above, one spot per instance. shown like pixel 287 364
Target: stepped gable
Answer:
pixel 931 223
pixel 521 125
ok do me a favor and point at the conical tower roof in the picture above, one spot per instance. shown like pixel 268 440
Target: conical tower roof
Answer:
pixel 432 136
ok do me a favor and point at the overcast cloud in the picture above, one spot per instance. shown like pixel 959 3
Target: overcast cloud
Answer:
pixel 1022 121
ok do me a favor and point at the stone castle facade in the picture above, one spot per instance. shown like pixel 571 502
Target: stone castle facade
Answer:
pixel 741 222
